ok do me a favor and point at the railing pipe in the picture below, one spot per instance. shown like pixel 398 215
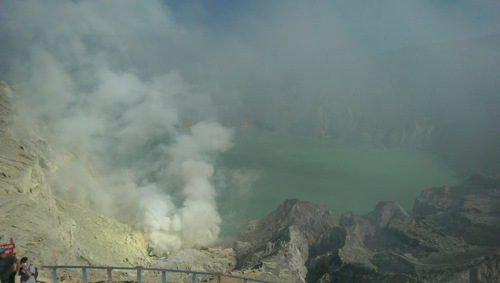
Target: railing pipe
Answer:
pixel 140 269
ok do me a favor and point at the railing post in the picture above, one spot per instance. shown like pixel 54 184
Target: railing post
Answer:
pixel 110 276
pixel 163 277
pixel 139 275
pixel 194 277
pixel 84 275
pixel 54 275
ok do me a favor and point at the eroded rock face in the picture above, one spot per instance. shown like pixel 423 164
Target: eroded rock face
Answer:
pixel 471 210
pixel 451 235
pixel 280 242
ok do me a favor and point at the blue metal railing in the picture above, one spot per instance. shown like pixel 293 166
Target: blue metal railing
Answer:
pixel 140 269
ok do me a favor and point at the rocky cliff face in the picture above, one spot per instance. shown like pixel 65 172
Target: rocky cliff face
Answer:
pixel 280 243
pixel 451 235
pixel 471 210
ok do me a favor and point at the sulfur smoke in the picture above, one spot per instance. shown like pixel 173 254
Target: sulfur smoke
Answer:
pixel 122 151
pixel 137 149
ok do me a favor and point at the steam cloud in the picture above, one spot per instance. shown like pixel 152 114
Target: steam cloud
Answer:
pixel 119 150
pixel 131 95
pixel 120 143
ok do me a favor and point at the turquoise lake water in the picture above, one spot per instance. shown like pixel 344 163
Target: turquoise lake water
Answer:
pixel 326 172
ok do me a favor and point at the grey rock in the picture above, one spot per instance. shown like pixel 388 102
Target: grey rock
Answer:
pixel 279 243
pixel 384 212
pixel 471 210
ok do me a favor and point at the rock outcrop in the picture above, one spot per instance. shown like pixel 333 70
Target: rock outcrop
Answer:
pixel 471 210
pixel 451 235
pixel 279 243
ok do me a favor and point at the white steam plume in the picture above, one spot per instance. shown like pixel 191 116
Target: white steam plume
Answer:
pixel 132 147
pixel 197 221
pixel 118 150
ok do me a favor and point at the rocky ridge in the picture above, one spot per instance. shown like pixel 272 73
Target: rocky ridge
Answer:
pixel 451 235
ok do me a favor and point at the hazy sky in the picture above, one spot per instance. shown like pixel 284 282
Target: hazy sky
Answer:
pixel 140 96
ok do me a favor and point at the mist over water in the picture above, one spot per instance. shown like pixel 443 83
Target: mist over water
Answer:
pixel 185 118
pixel 326 172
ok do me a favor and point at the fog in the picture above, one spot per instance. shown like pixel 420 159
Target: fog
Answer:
pixel 139 100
